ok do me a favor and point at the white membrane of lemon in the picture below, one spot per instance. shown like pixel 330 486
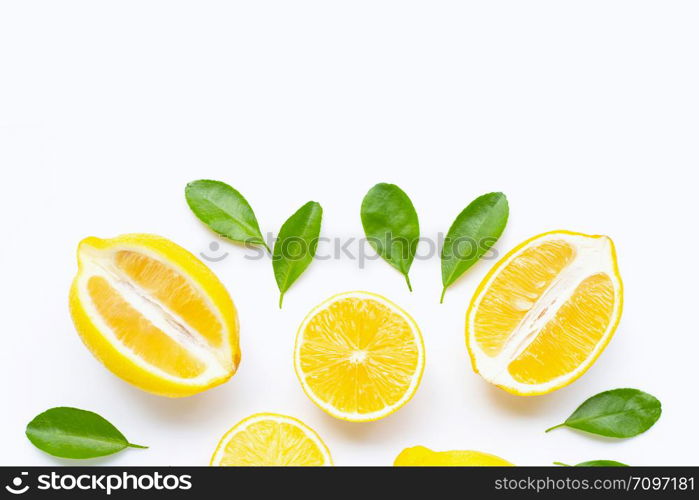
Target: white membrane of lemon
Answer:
pixel 592 256
pixel 413 383
pixel 279 419
pixel 101 263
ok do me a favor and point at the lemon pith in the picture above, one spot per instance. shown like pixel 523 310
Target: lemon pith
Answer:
pixel 545 312
pixel 154 314
pixel 269 439
pixel 359 357
pixel 420 456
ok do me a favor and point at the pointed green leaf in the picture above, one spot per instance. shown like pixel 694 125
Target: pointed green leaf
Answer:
pixel 224 210
pixel 296 245
pixel 619 413
pixel 73 433
pixel 391 226
pixel 594 463
pixel 473 232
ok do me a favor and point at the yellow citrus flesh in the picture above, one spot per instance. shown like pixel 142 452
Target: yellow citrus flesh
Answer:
pixel 154 314
pixel 515 289
pixel 545 312
pixel 268 439
pixel 174 291
pixel 359 357
pixel 136 333
pixel 421 456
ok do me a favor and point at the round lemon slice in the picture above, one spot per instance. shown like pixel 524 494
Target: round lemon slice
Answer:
pixel 154 314
pixel 545 312
pixel 424 457
pixel 359 357
pixel 268 439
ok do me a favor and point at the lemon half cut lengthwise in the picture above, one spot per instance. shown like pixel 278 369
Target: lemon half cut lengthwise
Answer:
pixel 545 312
pixel 154 314
pixel 359 357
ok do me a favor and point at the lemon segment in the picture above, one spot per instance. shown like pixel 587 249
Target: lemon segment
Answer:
pixel 579 324
pixel 154 314
pixel 268 439
pixel 359 357
pixel 545 312
pixel 515 290
pixel 424 457
pixel 140 336
pixel 173 290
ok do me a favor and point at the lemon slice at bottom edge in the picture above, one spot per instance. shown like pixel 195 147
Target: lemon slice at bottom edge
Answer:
pixel 422 456
pixel 270 439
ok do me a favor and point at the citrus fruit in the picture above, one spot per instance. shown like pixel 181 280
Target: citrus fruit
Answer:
pixel 271 439
pixel 421 456
pixel 359 356
pixel 154 314
pixel 545 312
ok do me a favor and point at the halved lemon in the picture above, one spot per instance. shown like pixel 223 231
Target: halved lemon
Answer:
pixel 424 457
pixel 271 439
pixel 154 314
pixel 545 312
pixel 359 356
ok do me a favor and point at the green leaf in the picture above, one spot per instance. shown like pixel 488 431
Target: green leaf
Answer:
pixel 473 232
pixel 601 463
pixel 595 463
pixel 296 245
pixel 391 226
pixel 225 211
pixel 72 433
pixel 619 413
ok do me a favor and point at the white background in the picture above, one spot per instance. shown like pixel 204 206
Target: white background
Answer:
pixel 584 113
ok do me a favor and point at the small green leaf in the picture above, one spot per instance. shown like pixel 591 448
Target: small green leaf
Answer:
pixel 224 210
pixel 73 433
pixel 601 463
pixel 473 232
pixel 296 245
pixel 594 463
pixel 619 413
pixel 391 226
